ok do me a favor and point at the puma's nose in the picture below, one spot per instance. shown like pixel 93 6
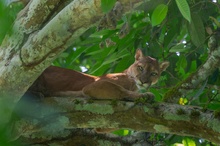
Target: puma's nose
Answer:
pixel 145 81
pixel 142 82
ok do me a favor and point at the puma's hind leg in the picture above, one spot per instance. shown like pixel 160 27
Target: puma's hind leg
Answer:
pixel 108 90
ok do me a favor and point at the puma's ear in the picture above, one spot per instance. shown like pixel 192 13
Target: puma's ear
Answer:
pixel 139 54
pixel 164 65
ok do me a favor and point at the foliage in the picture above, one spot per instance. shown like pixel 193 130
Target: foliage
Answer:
pixel 167 30
pixel 7 16
pixel 159 14
pixel 107 5
pixel 184 9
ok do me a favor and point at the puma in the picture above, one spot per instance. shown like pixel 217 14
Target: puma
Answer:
pixel 143 73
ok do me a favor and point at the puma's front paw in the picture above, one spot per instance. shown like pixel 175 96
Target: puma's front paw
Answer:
pixel 148 96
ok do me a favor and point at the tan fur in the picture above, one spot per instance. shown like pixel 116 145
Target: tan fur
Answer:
pixel 144 72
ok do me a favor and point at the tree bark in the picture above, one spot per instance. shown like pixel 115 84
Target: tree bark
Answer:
pixel 52 117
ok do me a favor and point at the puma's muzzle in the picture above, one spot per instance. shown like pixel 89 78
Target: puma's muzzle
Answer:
pixel 141 85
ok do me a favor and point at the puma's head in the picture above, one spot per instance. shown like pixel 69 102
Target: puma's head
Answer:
pixel 146 70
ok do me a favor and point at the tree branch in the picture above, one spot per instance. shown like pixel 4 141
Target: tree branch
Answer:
pixel 29 20
pixel 90 137
pixel 50 117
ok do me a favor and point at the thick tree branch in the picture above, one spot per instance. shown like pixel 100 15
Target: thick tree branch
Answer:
pixel 46 118
pixel 29 20
pixel 89 137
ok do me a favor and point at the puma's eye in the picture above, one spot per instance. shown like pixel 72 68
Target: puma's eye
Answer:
pixel 140 68
pixel 154 74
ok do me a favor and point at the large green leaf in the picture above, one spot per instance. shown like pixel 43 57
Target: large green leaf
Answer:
pixel 196 30
pixel 124 63
pixel 159 14
pixel 181 64
pixel 184 9
pixel 107 5
pixel 179 48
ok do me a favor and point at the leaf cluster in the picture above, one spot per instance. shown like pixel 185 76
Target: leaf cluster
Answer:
pixel 8 13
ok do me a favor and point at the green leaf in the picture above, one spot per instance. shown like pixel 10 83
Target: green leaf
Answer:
pixel 196 30
pixel 159 14
pixel 122 132
pixel 100 33
pixel 124 63
pixel 113 58
pixel 184 9
pixel 188 142
pixel 214 106
pixel 107 5
pixel 178 48
pixel 193 66
pixel 157 94
pixel 181 65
